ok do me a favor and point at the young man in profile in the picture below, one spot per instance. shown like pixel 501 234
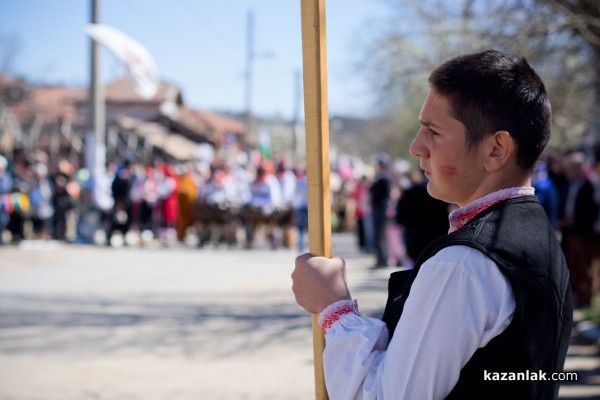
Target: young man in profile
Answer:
pixel 492 296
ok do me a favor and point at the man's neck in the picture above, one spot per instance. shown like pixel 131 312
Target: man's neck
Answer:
pixel 496 182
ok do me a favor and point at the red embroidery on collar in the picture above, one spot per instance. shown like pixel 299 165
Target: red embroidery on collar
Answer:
pixel 458 218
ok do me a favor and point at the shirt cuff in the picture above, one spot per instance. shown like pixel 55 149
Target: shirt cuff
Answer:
pixel 332 313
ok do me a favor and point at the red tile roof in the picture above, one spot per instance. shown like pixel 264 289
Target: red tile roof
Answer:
pixel 123 91
pixel 211 125
pixel 7 81
pixel 52 104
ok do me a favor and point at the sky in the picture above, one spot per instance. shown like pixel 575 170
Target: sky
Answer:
pixel 199 45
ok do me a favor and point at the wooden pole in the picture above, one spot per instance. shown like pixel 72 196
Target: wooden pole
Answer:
pixel 317 154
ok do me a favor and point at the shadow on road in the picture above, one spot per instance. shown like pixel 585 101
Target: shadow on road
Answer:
pixel 163 324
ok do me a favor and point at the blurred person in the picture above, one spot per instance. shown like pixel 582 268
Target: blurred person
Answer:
pixel 241 180
pixel 265 199
pixel 578 212
pixel 89 214
pixel 423 218
pixel 300 203
pixel 555 164
pixel 41 209
pixel 337 206
pixel 379 197
pixel 362 214
pixel 62 203
pixel 23 181
pixel 136 195
pixel 169 206
pixel 121 193
pixel 492 296
pixel 187 192
pixel 65 193
pixel 546 192
pixel 149 212
pixel 6 185
pixel 287 185
pixel 216 197
pixel 101 181
pixel 339 203
pixel 394 231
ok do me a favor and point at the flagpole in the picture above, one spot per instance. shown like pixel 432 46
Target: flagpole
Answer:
pixel 317 154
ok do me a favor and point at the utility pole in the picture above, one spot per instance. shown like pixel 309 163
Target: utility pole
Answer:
pixel 249 71
pixel 251 55
pixel 95 147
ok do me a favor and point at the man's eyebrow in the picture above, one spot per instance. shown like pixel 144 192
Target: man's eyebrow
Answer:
pixel 429 124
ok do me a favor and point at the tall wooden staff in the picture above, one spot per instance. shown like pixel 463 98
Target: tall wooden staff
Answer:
pixel 317 154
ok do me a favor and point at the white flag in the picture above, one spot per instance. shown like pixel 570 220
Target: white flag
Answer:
pixel 138 60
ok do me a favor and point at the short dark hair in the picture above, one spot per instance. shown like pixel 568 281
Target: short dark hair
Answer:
pixel 492 91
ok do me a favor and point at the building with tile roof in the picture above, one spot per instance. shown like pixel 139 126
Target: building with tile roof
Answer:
pixel 54 119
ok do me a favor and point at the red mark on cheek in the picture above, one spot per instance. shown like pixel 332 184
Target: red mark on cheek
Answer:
pixel 448 170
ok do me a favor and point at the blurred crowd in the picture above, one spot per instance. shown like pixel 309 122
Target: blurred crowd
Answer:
pixel 217 202
pixel 232 202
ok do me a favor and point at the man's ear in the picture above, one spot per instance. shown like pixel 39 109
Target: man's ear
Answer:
pixel 501 147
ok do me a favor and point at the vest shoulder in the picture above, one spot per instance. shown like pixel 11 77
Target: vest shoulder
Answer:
pixel 515 233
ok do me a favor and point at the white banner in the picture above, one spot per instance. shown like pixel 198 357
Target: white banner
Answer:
pixel 138 60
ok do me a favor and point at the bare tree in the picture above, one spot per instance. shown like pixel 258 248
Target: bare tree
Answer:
pixel 583 18
pixel 558 37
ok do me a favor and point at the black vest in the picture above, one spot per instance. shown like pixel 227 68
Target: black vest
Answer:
pixel 517 236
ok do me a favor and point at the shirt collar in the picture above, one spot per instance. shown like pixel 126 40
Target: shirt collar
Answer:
pixel 459 217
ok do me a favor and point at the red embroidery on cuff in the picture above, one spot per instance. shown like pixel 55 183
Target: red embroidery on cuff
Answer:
pixel 334 316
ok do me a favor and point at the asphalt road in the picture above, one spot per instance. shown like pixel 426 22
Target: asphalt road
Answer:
pixel 82 322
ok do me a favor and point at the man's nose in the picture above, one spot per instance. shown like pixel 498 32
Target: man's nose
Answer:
pixel 417 147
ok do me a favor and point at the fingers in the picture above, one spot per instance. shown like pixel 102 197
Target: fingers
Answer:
pixel 319 281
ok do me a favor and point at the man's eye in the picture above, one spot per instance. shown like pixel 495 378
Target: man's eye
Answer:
pixel 432 132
